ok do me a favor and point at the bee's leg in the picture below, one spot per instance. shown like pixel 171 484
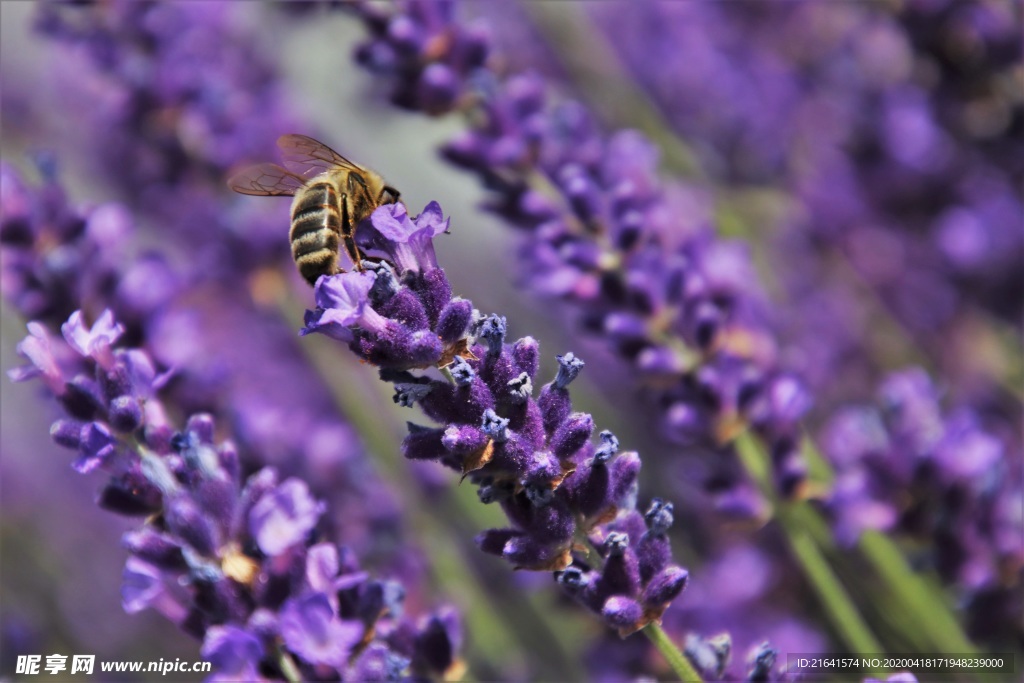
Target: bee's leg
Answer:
pixel 388 195
pixel 348 238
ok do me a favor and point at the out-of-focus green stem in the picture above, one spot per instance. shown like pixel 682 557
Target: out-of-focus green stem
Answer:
pixel 808 534
pixel 915 594
pixel 838 605
pixel 889 564
pixel 679 663
pixel 288 668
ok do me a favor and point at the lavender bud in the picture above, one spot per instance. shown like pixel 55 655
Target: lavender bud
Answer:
pixel 462 439
pixel 454 320
pixel 495 491
pixel 526 356
pixel 67 433
pixel 621 572
pixel 520 388
pixel 406 395
pixel 555 405
pixel 704 324
pixel 201 425
pixel 572 435
pixel 608 448
pixel 569 367
pixel 131 495
pixel 665 586
pixel 156 548
pixel 114 381
pixel 624 471
pixel 81 398
pixel 125 414
pixel 423 443
pixel 437 89
pixel 462 372
pixel 616 543
pixel 494 426
pixel 659 516
pixel 187 521
pixel 437 644
pixel 493 541
pixel 622 612
pixel 492 331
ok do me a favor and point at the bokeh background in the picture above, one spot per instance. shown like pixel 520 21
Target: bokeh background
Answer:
pixel 867 156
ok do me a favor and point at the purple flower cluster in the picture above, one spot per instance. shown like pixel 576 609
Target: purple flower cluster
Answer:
pixel 236 564
pixel 883 138
pixel 428 61
pixel 637 256
pixel 907 202
pixel 908 467
pixel 890 132
pixel 533 456
pixel 55 258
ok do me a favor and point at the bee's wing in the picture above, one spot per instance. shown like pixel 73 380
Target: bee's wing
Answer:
pixel 307 157
pixel 266 180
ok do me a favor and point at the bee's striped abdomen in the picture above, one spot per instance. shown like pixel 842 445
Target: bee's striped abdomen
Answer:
pixel 316 230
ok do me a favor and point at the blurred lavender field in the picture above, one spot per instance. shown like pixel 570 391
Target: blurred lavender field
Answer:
pixel 786 239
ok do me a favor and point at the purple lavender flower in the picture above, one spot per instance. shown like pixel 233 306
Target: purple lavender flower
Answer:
pixel 432 63
pixel 532 456
pixel 605 234
pixel 229 561
pixel 907 467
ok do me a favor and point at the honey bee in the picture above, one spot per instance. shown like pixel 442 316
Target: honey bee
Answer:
pixel 332 195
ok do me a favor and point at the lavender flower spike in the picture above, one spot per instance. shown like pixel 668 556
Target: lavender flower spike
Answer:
pixel 233 563
pixel 533 456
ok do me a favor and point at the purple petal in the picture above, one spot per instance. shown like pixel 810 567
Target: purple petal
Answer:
pixel 345 295
pixel 311 630
pixel 37 348
pixel 432 220
pixel 283 517
pixel 141 585
pixel 96 444
pixel 393 223
pixel 94 342
pixel 234 652
pixel 321 566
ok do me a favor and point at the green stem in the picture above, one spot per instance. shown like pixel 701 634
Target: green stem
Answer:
pixel 679 663
pixel 904 585
pixel 838 605
pixel 915 594
pixel 808 534
pixel 288 669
